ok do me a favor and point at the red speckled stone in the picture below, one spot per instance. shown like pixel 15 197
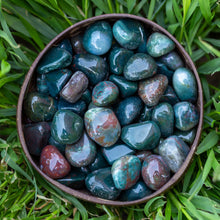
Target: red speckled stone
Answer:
pixel 53 163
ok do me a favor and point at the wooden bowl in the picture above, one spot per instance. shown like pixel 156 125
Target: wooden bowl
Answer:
pixel 29 85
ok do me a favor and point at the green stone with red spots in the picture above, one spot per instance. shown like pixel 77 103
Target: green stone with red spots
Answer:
pixel 126 171
pixel 102 126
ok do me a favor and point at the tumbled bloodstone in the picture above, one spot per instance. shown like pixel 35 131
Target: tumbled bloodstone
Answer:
pixel 82 153
pixel 141 136
pixel 77 44
pixel 126 88
pixel 102 126
pixel 87 96
pixel 186 116
pixel 39 107
pixel 142 154
pixel 155 172
pixel 56 80
pixel 55 58
pixel 128 110
pixel 163 115
pixel 151 90
pixel 138 191
pixel 98 163
pixel 115 152
pixel 159 44
pixel 100 183
pixel 75 87
pixel 66 127
pixel 174 151
pixel 184 84
pixel 105 93
pixel 140 66
pixel 36 136
pixel 162 69
pixel 60 147
pixel 146 114
pixel 97 38
pixel 127 33
pixel 66 44
pixel 169 96
pixel 118 57
pixel 95 67
pixel 126 171
pixel 53 163
pixel 186 136
pixel 42 84
pixel 172 60
pixel 78 107
pixel 75 180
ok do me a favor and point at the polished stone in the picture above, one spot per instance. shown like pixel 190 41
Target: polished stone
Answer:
pixel 140 66
pixel 163 115
pixel 75 87
pixel 97 38
pixel 102 126
pixel 67 127
pixel 81 153
pixel 60 147
pixel 151 90
pixel 169 96
pixel 159 44
pixel 186 116
pixel 36 136
pixel 39 107
pixel 95 67
pixel 186 136
pixel 143 45
pixel 100 183
pixel 155 172
pixel 53 163
pixel 55 58
pixel 99 162
pixel 126 172
pixel 42 84
pixel 66 45
pixel 146 113
pixel 162 69
pixel 174 151
pixel 141 136
pixel 77 44
pixel 87 96
pixel 128 110
pixel 142 154
pixel 92 105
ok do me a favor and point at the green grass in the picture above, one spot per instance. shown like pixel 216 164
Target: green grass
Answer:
pixel 26 27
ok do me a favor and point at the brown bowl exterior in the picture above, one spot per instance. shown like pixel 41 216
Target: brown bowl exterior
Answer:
pixel 29 82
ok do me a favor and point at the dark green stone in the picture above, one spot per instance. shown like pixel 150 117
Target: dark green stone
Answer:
pixel 162 69
pixel 159 44
pixel 67 127
pixel 115 152
pixel 143 45
pixel 100 183
pixel 95 67
pixel 87 96
pixel 169 96
pixel 163 115
pixel 39 107
pixel 55 58
pixel 118 57
pixel 42 84
pixel 186 136
pixel 77 44
pixel 141 136
pixel 146 114
pixel 126 88
pixel 98 163
pixel 140 66
pixel 65 44
pixel 60 147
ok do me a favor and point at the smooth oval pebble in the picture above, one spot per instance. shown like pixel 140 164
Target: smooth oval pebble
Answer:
pixel 169 96
pixel 174 151
pixel 159 44
pixel 184 84
pixel 53 163
pixel 82 153
pixel 39 107
pixel 42 84
pixel 100 183
pixel 75 87
pixel 127 33
pixel 65 44
pixel 66 127
pixel 55 58
pixel 126 171
pixel 140 66
pixel 186 136
pixel 128 110
pixel 151 90
pixel 102 126
pixel 141 136
pixel 77 44
pixel 97 38
pixel 105 93
pixel 98 163
pixel 163 115
pixel 186 116
pixel 155 172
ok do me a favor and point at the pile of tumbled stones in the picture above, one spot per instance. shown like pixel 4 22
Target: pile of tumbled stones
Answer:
pixel 113 111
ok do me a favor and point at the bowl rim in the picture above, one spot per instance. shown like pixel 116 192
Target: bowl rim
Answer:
pixel 81 195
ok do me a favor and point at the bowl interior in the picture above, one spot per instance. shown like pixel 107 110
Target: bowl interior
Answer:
pixel 30 85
